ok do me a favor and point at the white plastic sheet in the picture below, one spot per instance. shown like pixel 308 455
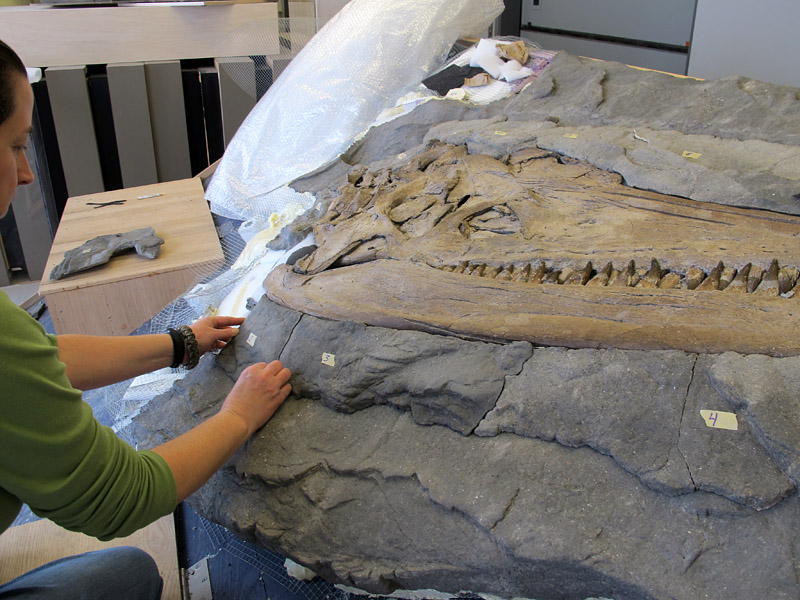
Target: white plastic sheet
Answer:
pixel 365 58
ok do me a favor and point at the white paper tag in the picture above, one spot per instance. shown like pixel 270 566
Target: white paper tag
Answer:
pixel 328 359
pixel 720 420
pixel 251 339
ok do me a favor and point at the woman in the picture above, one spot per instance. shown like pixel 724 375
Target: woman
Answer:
pixel 55 457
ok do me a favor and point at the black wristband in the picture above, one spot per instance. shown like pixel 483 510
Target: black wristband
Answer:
pixel 178 347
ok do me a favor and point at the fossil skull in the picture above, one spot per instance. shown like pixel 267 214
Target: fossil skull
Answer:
pixel 541 248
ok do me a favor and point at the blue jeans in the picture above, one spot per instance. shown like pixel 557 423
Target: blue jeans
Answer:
pixel 120 573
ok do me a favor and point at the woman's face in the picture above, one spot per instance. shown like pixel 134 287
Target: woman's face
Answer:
pixel 14 134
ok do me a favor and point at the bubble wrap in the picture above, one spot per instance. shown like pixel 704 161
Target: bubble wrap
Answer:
pixel 365 58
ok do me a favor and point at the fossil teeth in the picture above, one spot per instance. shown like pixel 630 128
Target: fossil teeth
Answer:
pixel 471 268
pixel 552 276
pixel 586 273
pixel 712 281
pixel 506 274
pixel 601 279
pixel 787 278
pixel 462 266
pixel 670 281
pixel 652 276
pixel 491 272
pixel 568 274
pixel 522 274
pixel 479 270
pixel 754 278
pixel 769 283
pixel 739 283
pixel 626 278
pixel 538 275
pixel 694 277
pixel 579 277
pixel 751 278
pixel 726 277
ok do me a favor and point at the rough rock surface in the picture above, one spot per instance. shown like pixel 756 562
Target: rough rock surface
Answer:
pixel 98 251
pixel 609 105
pixel 767 393
pixel 525 471
pixel 593 475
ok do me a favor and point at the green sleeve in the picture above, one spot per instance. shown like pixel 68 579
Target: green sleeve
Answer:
pixel 55 456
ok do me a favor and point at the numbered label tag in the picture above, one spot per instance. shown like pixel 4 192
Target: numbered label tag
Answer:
pixel 251 339
pixel 694 155
pixel 456 94
pixel 572 136
pixel 720 420
pixel 328 359
pixel 500 133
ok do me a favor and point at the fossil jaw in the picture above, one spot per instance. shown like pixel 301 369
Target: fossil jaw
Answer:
pixel 392 293
pixel 396 248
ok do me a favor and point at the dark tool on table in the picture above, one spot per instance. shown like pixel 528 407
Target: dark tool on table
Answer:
pixel 102 204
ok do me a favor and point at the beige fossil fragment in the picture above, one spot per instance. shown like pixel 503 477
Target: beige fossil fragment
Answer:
pixel 510 249
pixel 478 80
pixel 515 51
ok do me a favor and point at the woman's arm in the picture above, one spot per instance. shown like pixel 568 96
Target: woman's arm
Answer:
pixel 96 361
pixel 197 454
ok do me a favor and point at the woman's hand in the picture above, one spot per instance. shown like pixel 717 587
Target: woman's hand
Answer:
pixel 257 394
pixel 197 454
pixel 213 333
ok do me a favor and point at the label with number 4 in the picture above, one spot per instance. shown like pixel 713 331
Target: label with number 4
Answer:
pixel 720 420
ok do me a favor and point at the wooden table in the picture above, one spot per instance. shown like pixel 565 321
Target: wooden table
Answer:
pixel 116 298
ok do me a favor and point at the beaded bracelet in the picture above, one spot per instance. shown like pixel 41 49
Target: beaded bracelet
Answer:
pixel 192 350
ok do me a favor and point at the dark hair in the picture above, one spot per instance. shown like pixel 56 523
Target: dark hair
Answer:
pixel 9 63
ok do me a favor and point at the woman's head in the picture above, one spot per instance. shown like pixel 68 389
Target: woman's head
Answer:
pixel 10 67
pixel 16 110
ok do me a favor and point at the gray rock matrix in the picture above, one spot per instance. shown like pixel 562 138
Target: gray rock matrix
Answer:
pixel 411 460
pixel 98 251
pixel 420 461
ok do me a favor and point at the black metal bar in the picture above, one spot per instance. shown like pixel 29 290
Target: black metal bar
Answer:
pixel 598 37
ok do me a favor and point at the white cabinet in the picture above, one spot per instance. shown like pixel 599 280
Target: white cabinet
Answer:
pixel 646 33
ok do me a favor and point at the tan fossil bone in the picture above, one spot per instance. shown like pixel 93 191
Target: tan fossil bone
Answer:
pixel 552 251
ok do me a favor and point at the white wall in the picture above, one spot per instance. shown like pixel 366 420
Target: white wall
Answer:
pixel 760 40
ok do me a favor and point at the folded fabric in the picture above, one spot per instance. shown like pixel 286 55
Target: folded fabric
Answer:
pixel 450 78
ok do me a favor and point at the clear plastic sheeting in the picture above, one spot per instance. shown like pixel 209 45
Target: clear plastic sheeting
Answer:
pixel 365 58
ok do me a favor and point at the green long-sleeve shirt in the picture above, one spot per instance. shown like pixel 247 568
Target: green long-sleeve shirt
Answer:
pixel 55 456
